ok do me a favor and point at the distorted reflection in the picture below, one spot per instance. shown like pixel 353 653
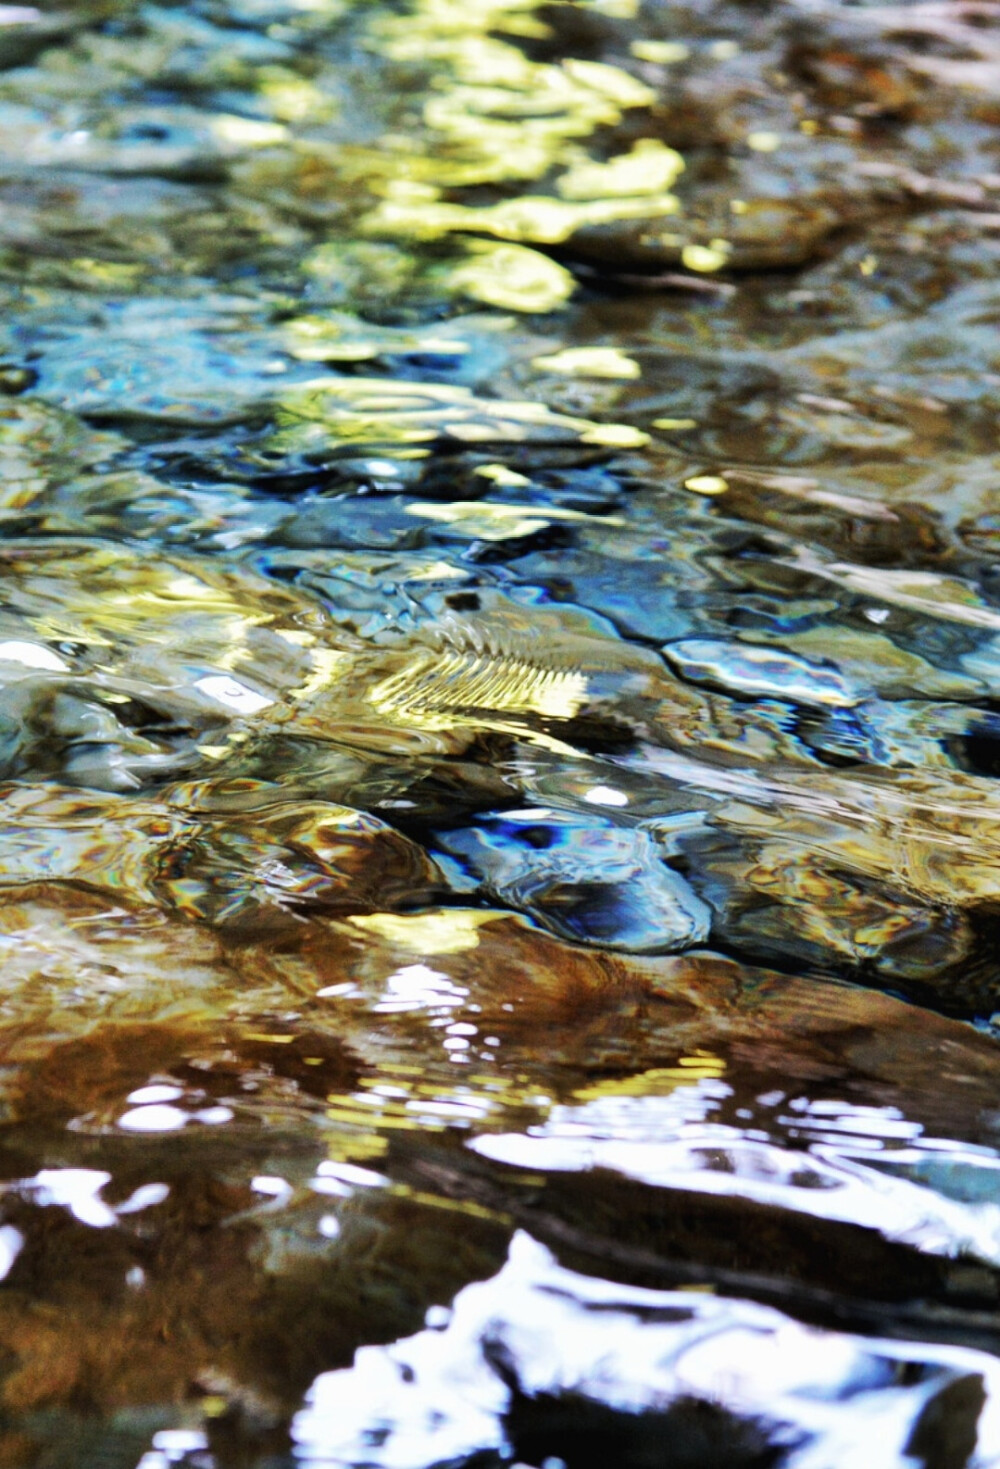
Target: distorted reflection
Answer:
pixel 519 1353
pixel 498 738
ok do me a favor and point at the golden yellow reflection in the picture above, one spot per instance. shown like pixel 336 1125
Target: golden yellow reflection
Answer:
pixel 707 484
pixel 499 474
pixel 448 931
pixel 247 132
pixel 294 99
pixel 705 258
pixel 662 53
pixel 534 219
pixel 397 413
pixel 512 277
pixel 650 168
pixel 698 1066
pixel 342 338
pixel 615 436
pixel 438 691
pixel 493 115
pixel 499 522
pixel 764 142
pixel 609 362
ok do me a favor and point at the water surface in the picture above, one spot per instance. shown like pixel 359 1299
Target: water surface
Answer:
pixel 500 641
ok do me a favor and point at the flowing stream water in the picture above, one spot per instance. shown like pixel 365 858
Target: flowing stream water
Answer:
pixel 499 735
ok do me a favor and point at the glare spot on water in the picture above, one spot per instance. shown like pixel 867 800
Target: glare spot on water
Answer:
pixel 597 362
pixel 703 258
pixel 707 484
pixel 180 1440
pixel 351 1173
pixel 11 1244
pixel 154 1093
pixel 32 656
pixel 331 1187
pixel 267 1184
pixel 75 1189
pixel 662 53
pixel 159 1117
pixel 418 986
pixel 605 796
pixel 236 695
pixel 453 1108
pixel 144 1197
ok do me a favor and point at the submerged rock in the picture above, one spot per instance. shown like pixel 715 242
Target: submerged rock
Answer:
pixel 583 877
pixel 767 234
pixel 256 861
pixel 750 671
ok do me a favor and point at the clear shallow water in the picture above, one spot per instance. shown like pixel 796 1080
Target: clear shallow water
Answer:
pixel 499 649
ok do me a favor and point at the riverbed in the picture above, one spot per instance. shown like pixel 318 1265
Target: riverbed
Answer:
pixel 499 735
